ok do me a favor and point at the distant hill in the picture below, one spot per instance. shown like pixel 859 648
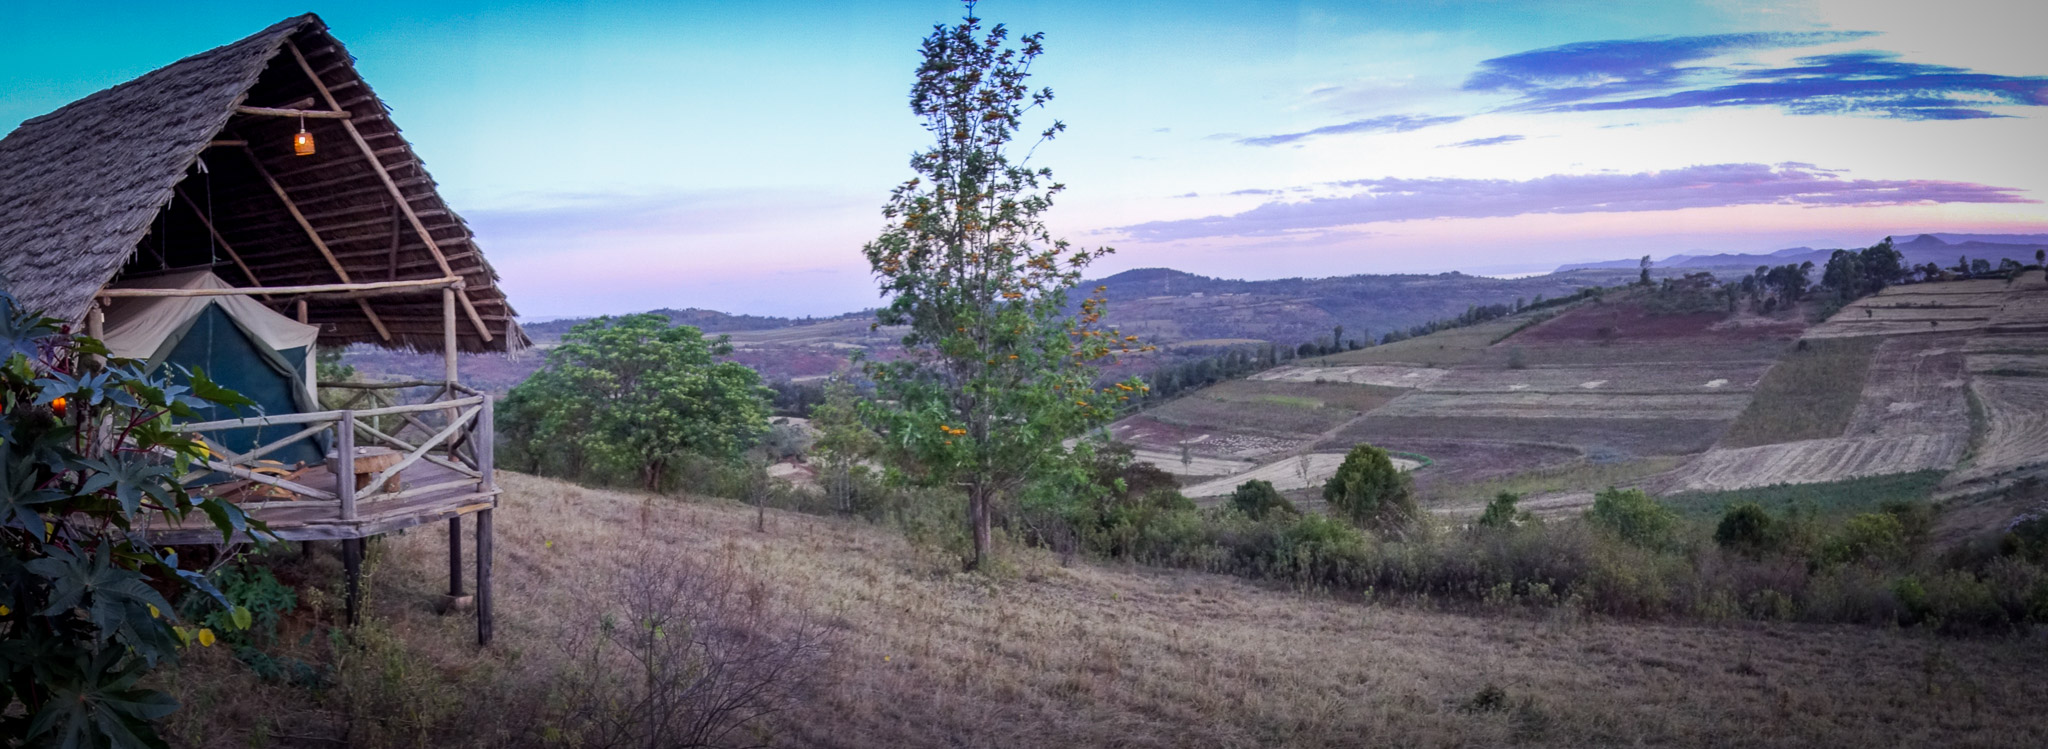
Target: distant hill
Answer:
pixel 1921 248
pixel 709 321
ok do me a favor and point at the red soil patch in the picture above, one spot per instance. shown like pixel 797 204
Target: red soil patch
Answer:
pixel 1628 321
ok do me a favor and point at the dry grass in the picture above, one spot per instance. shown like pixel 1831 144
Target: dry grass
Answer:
pixel 1810 394
pixel 1101 656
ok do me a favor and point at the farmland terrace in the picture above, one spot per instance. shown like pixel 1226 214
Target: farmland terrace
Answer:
pixel 1949 377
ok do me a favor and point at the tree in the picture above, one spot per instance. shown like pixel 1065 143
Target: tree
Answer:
pixel 843 441
pixel 996 373
pixel 1258 500
pixel 1644 264
pixel 1502 513
pixel 1370 491
pixel 1634 517
pixel 634 395
pixel 2041 258
pixel 87 457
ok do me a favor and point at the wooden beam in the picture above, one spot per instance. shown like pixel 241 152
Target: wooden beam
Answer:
pixel 318 114
pixel 483 575
pixel 227 143
pixel 376 165
pixel 217 238
pixel 448 343
pixel 414 285
pixel 375 321
pixel 345 465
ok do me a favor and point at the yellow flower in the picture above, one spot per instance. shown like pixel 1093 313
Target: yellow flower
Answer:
pixel 153 613
pixel 205 637
pixel 5 611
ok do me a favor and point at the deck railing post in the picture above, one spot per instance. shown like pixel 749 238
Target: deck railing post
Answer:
pixel 345 463
pixel 485 428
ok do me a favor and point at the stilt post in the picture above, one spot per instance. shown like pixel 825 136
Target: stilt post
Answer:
pixel 483 577
pixel 352 570
pixel 455 557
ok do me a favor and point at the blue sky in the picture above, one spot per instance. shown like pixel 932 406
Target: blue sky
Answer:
pixel 622 156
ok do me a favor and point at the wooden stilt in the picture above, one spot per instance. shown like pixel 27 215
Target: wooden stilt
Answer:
pixel 455 557
pixel 483 577
pixel 352 569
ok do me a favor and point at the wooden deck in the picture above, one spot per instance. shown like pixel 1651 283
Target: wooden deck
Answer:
pixel 306 519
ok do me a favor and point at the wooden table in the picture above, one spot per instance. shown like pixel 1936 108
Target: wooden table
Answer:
pixel 369 461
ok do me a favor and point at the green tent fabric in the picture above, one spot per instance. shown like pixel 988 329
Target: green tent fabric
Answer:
pixel 237 342
pixel 213 343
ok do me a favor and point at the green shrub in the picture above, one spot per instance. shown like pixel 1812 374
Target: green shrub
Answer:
pixel 1501 512
pixel 1634 517
pixel 1748 528
pixel 1875 537
pixel 1371 492
pixel 1258 499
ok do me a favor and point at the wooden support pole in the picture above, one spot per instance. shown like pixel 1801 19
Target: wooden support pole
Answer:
pixel 207 221
pixel 345 465
pixel 448 343
pixel 483 577
pixel 352 570
pixel 486 422
pixel 319 244
pixel 311 114
pixel 404 205
pixel 412 286
pixel 302 311
pixel 455 557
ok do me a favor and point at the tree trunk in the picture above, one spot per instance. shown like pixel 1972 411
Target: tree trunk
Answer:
pixel 978 520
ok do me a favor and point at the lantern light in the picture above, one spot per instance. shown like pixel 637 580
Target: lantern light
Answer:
pixel 302 142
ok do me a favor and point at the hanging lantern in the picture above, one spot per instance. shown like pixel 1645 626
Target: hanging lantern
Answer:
pixel 302 142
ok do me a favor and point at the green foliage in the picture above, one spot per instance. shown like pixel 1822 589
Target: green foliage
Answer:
pixel 843 442
pixel 1748 528
pixel 1811 393
pixel 1855 274
pixel 1371 492
pixel 1258 499
pixel 1501 512
pixel 1832 500
pixel 1634 517
pixel 996 373
pixel 87 453
pixel 632 396
pixel 1874 537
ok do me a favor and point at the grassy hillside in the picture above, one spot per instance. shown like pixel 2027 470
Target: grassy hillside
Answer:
pixel 1081 655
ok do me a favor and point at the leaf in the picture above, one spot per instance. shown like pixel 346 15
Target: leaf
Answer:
pixel 19 495
pixel 208 390
pixel 242 617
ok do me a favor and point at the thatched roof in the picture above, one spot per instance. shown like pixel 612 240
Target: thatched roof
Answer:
pixel 124 183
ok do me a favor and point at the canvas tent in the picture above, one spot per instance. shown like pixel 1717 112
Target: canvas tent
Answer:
pixel 234 340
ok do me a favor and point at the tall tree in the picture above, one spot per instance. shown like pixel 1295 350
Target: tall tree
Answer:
pixel 997 373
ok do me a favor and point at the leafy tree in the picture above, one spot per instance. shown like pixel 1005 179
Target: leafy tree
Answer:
pixel 997 373
pixel 2041 258
pixel 87 456
pixel 1502 512
pixel 633 396
pixel 1644 266
pixel 1258 500
pixel 1749 528
pixel 1634 517
pixel 843 441
pixel 1370 491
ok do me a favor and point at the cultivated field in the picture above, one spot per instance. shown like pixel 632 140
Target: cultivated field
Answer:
pixel 1194 465
pixel 1818 461
pixel 1809 394
pixel 1362 374
pixel 1945 307
pixel 1098 655
pixel 1286 475
pixel 2016 420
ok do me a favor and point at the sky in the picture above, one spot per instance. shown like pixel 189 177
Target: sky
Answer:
pixel 619 156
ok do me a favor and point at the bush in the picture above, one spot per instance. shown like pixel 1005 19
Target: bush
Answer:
pixel 1634 517
pixel 1873 537
pixel 1748 528
pixel 1258 499
pixel 1371 492
pixel 1501 512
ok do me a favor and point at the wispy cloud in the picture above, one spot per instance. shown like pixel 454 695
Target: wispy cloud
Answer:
pixel 1392 199
pixel 1477 142
pixel 1391 123
pixel 1670 73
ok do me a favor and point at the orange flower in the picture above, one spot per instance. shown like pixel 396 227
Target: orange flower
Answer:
pixel 58 406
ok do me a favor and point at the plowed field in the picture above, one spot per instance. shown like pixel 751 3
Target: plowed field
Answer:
pixel 2016 419
pixel 1816 461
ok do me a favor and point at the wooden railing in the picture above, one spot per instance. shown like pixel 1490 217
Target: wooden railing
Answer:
pixel 454 432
